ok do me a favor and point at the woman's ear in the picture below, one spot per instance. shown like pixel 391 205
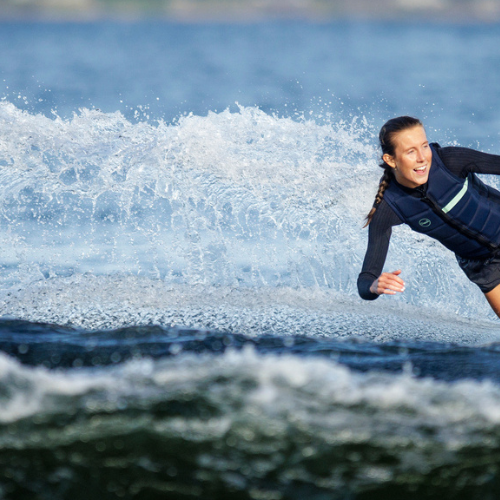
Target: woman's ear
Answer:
pixel 389 160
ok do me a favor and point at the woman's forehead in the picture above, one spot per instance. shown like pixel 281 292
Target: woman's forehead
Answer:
pixel 414 136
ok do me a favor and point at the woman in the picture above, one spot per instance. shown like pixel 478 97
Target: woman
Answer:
pixel 436 192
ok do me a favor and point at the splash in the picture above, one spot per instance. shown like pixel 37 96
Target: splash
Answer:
pixel 229 201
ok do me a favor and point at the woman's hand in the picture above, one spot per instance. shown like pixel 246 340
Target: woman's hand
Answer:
pixel 388 283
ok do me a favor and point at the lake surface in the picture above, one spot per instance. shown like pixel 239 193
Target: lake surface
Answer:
pixel 181 211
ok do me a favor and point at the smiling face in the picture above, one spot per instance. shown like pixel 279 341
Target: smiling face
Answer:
pixel 412 157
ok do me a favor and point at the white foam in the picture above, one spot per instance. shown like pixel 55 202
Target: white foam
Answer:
pixel 318 396
pixel 108 302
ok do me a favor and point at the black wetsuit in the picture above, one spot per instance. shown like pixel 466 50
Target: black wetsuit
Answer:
pixel 459 161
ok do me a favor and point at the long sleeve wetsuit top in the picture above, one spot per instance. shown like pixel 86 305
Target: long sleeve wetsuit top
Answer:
pixel 460 162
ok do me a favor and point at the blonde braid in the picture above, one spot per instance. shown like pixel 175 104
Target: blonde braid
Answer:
pixel 384 183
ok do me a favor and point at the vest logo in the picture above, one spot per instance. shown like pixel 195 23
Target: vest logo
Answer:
pixel 424 222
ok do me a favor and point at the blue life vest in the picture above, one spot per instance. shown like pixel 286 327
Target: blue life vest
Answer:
pixel 460 213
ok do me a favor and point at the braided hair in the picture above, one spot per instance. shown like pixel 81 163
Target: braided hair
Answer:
pixel 386 136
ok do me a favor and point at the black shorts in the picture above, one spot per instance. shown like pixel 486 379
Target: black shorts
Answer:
pixel 485 273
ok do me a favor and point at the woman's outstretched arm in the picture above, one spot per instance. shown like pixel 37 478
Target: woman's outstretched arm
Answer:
pixel 379 235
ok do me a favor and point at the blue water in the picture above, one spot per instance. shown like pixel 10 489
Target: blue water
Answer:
pixel 444 73
pixel 181 212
